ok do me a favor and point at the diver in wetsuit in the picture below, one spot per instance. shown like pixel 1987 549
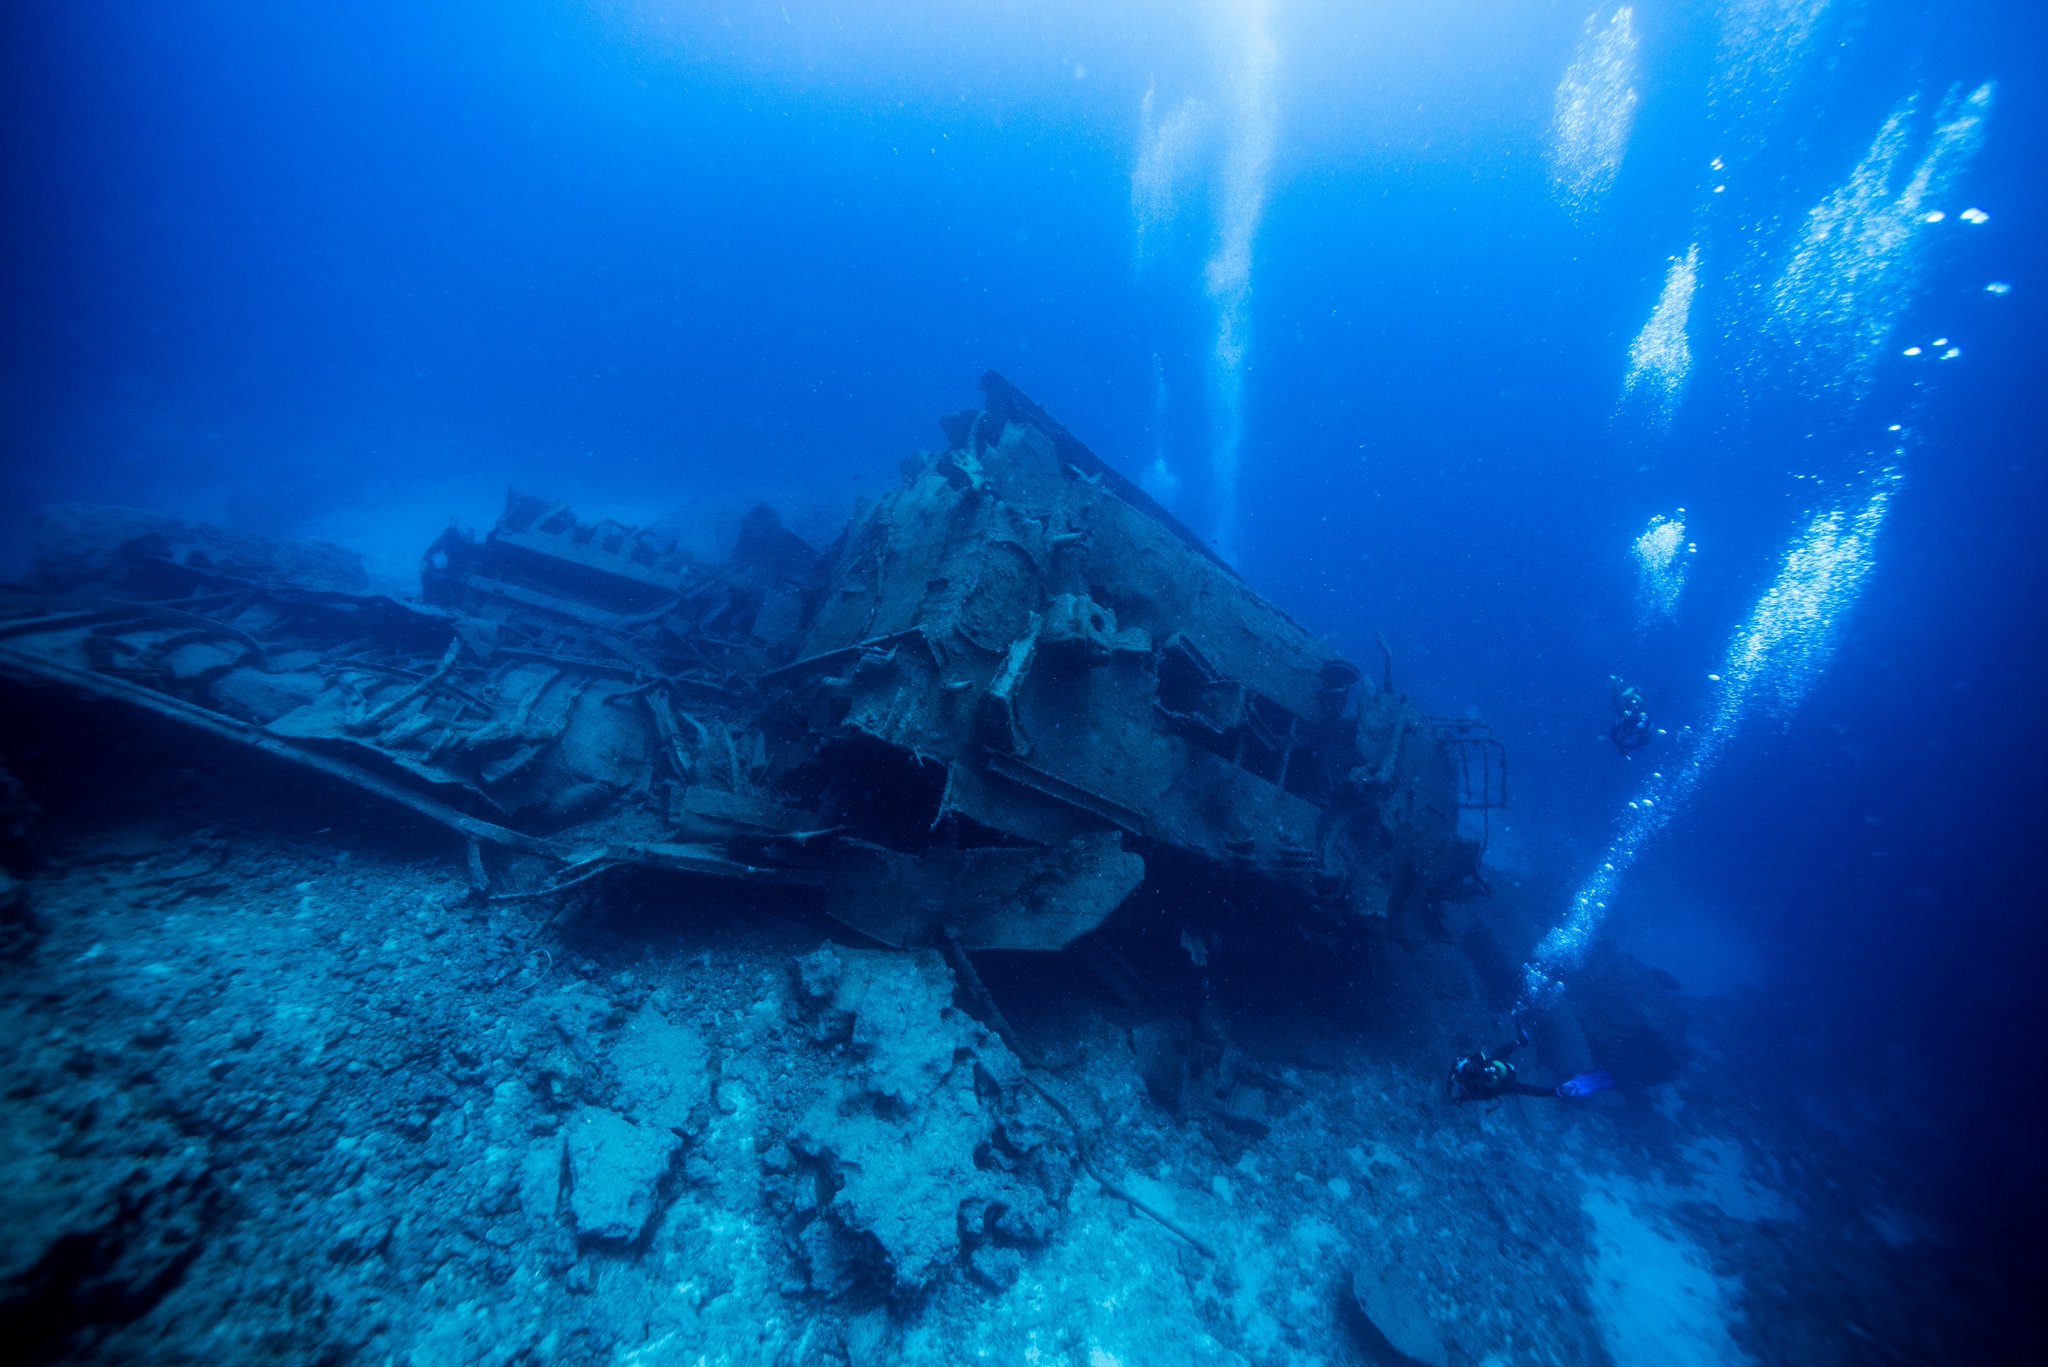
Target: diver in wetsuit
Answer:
pixel 1631 730
pixel 1483 1076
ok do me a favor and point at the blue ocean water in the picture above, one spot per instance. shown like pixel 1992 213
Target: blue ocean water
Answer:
pixel 1383 303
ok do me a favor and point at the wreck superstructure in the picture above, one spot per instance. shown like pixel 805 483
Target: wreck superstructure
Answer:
pixel 1014 690
pixel 1072 668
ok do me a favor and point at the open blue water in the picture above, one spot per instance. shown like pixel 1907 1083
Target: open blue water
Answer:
pixel 1358 291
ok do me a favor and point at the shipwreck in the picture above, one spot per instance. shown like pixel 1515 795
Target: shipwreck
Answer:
pixel 1015 697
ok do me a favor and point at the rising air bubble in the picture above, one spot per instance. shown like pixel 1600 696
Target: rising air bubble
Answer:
pixel 1660 574
pixel 1857 265
pixel 1242 123
pixel 1660 358
pixel 1760 41
pixel 1773 660
pixel 1595 107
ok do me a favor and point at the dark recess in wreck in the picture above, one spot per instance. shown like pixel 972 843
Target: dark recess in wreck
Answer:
pixel 1013 694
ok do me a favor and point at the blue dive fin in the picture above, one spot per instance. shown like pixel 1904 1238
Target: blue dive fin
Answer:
pixel 1585 1084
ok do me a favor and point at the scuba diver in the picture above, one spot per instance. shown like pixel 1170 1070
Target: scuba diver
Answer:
pixel 1483 1076
pixel 1631 730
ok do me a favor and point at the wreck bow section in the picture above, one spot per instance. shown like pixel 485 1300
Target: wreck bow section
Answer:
pixel 1022 649
pixel 1015 693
